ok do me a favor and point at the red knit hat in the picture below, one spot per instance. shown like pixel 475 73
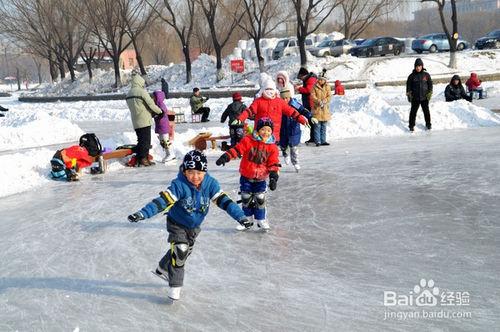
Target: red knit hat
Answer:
pixel 236 96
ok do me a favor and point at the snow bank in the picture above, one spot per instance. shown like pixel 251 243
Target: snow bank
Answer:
pixel 21 130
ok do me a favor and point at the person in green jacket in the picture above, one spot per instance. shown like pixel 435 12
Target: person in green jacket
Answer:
pixel 196 101
pixel 142 109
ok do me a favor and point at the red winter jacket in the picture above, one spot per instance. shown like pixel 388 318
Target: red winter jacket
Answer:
pixel 306 90
pixel 473 82
pixel 76 156
pixel 258 157
pixel 339 89
pixel 274 109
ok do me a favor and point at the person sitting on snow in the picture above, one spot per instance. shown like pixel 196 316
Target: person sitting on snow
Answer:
pixel 474 84
pixel 455 90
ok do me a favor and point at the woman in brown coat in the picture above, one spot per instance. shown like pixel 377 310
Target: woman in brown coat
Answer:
pixel 320 96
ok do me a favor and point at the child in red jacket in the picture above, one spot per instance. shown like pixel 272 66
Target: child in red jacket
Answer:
pixel 474 84
pixel 339 88
pixel 260 160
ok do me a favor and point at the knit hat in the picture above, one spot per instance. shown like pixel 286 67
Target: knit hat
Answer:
pixel 419 62
pixel 322 75
pixel 236 96
pixel 196 89
pixel 285 93
pixel 264 122
pixel 195 160
pixel 302 72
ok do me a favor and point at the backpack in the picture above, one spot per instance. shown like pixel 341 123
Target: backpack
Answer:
pixel 91 143
pixel 59 170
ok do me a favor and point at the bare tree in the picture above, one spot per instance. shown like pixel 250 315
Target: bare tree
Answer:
pixel 310 14
pixel 106 21
pixel 181 18
pixel 453 35
pixel 221 25
pixel 261 17
pixel 202 34
pixel 357 15
pixel 138 15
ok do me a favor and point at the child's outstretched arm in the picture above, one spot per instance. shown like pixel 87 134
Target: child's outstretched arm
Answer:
pixel 233 153
pixel 162 203
pixel 223 201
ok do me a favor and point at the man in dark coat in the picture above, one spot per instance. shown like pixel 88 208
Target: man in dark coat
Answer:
pixel 164 87
pixel 419 93
pixel 455 90
pixel 309 80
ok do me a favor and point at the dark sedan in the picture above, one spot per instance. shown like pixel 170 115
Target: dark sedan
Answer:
pixel 491 40
pixel 379 46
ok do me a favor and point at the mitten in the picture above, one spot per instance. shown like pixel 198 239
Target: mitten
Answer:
pixel 314 120
pixel 245 222
pixel 236 122
pixel 136 217
pixel 273 180
pixel 222 160
pixel 428 95
pixel 408 96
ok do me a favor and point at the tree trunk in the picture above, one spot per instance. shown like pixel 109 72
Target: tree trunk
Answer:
pixel 71 69
pixel 185 50
pixel 39 72
pixel 62 72
pixel 18 79
pixel 139 58
pixel 88 63
pixel 116 66
pixel 453 60
pixel 219 73
pixel 260 59
pixel 302 49
pixel 52 68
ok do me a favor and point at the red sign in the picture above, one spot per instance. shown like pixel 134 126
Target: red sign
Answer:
pixel 238 65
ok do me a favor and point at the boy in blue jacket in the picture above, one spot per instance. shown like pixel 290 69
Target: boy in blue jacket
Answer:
pixel 290 130
pixel 186 202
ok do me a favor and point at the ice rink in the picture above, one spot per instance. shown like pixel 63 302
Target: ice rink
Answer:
pixel 363 217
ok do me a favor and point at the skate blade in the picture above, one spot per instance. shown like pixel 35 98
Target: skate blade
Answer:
pixel 161 276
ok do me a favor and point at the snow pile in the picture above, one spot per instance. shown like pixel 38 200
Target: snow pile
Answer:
pixel 371 115
pixel 22 129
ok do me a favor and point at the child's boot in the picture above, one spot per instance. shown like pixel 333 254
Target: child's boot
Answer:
pixel 174 293
pixel 263 224
pixel 297 167
pixel 241 227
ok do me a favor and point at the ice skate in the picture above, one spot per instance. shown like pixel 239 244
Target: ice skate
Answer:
pixel 297 167
pixel 174 293
pixel 161 273
pixel 287 159
pixel 241 227
pixel 168 158
pixel 263 224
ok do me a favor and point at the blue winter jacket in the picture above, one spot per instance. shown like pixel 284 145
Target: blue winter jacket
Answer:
pixel 290 129
pixel 188 206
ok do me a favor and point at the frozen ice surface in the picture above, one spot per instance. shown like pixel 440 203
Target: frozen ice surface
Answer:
pixel 362 217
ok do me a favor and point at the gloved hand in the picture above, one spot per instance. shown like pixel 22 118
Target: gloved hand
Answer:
pixel 428 95
pixel 222 160
pixel 136 217
pixel 207 98
pixel 159 116
pixel 245 222
pixel 273 180
pixel 236 122
pixel 408 96
pixel 314 120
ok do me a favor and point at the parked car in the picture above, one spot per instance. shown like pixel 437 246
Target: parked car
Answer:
pixel 289 46
pixel 332 47
pixel 491 40
pixel 436 42
pixel 379 46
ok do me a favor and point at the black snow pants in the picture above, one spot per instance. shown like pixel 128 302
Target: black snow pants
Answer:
pixel 177 234
pixel 413 113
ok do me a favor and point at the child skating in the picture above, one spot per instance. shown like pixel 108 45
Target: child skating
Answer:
pixel 259 161
pixel 162 125
pixel 186 202
pixel 233 111
pixel 290 130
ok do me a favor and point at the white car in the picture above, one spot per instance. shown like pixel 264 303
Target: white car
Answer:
pixel 332 47
pixel 289 46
